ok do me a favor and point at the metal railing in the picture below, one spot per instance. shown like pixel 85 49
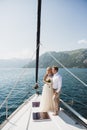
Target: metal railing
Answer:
pixel 82 119
pixel 5 102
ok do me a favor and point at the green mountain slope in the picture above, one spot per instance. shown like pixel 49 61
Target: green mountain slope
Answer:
pixel 76 58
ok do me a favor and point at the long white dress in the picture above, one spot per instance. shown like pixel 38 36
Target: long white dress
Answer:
pixel 46 99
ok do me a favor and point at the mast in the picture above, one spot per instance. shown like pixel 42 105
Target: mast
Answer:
pixel 38 38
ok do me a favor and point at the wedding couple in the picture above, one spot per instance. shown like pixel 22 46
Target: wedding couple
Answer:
pixel 51 91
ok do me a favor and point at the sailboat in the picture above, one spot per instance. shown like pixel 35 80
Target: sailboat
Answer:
pixel 28 117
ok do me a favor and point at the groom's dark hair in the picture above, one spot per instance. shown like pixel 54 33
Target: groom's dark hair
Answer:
pixel 56 68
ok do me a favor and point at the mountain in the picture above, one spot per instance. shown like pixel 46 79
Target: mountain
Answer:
pixel 13 63
pixel 75 58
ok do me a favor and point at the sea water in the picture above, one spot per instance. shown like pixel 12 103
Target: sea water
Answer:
pixel 20 83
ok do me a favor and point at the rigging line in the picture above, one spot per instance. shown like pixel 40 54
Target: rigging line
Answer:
pixel 74 99
pixel 12 89
pixel 17 94
pixel 18 101
pixel 34 52
pixel 24 69
pixel 67 70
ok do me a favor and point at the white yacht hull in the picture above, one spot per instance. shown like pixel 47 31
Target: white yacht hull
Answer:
pixel 22 119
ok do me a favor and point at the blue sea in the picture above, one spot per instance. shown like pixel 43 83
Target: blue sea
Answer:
pixel 20 81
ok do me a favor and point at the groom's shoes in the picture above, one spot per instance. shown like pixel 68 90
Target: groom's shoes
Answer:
pixel 55 114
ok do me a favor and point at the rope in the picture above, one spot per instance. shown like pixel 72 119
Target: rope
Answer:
pixel 12 90
pixel 71 74
pixel 68 70
pixel 15 95
pixel 18 101
pixel 74 99
pixel 24 69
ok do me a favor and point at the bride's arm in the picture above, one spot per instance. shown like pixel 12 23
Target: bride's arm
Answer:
pixel 45 77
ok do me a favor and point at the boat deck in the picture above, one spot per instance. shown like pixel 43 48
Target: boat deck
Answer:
pixel 22 119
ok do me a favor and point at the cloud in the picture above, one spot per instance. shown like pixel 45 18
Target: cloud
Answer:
pixel 82 42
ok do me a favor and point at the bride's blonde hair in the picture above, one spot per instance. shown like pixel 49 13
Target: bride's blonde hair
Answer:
pixel 49 68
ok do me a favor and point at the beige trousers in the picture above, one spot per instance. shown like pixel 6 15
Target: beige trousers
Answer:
pixel 56 102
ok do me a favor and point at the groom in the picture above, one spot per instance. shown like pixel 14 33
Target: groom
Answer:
pixel 57 84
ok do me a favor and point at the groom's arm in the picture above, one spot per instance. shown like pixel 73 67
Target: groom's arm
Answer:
pixel 59 84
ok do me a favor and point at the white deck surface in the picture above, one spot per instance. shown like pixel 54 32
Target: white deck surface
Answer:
pixel 22 120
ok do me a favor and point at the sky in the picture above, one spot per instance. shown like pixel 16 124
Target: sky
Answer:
pixel 63 26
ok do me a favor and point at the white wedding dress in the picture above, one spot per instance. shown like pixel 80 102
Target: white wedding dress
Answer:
pixel 46 99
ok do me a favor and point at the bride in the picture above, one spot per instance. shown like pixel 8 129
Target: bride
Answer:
pixel 47 93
